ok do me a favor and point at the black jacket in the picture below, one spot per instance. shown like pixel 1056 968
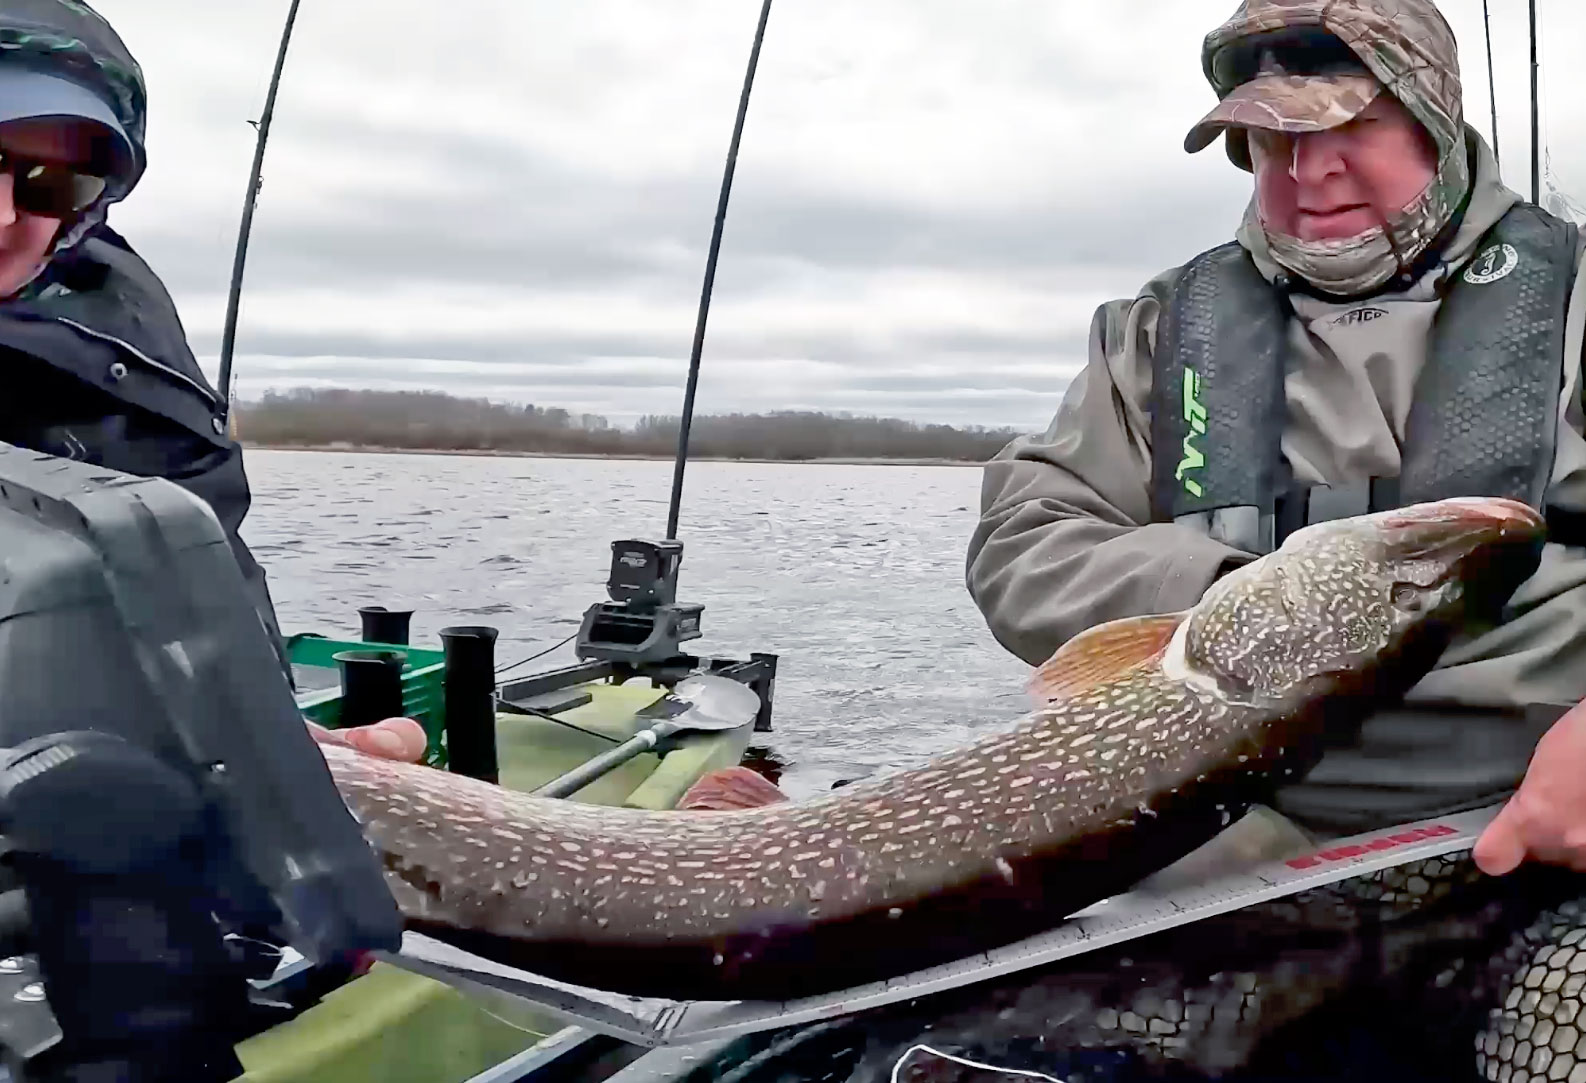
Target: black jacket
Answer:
pixel 96 368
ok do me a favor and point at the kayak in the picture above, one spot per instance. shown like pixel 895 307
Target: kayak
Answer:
pixel 395 1026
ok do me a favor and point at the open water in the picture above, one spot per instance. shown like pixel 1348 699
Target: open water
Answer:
pixel 852 574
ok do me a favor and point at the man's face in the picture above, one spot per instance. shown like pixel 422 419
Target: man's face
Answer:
pixel 25 238
pixel 1344 181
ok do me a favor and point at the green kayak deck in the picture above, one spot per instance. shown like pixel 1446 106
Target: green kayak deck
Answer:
pixel 394 1026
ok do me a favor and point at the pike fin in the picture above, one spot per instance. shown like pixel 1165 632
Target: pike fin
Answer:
pixel 1101 653
pixel 731 788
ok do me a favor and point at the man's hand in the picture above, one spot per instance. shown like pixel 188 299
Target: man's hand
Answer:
pixel 391 739
pixel 1545 820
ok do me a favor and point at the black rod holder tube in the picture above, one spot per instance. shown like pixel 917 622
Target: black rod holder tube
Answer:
pixel 470 695
pixel 371 686
pixel 382 625
pixel 764 686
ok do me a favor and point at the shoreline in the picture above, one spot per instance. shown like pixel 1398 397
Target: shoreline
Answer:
pixel 368 449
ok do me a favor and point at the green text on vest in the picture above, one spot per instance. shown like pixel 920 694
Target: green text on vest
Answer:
pixel 1195 417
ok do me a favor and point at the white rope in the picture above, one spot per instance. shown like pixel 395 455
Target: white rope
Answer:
pixel 898 1067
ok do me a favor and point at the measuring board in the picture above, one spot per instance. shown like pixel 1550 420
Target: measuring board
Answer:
pixel 650 1022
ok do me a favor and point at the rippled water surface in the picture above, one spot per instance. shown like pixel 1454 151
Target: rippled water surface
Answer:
pixel 852 574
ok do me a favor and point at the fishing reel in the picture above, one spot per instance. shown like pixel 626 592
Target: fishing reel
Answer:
pixel 643 624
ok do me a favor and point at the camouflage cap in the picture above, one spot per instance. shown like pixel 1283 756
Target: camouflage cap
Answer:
pixel 1285 103
pixel 1405 46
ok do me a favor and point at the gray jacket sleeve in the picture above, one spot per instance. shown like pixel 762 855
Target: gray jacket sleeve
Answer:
pixel 1064 540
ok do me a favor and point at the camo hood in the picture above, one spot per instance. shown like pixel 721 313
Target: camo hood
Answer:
pixel 1309 65
pixel 68 38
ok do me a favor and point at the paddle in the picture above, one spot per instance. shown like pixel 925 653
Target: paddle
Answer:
pixel 708 704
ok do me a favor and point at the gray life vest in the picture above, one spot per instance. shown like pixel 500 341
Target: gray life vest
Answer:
pixel 1482 420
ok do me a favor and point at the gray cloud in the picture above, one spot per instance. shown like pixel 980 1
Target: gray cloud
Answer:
pixel 567 350
pixel 515 199
pixel 532 222
pixel 636 375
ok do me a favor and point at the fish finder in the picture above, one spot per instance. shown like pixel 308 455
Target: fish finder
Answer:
pixel 643 624
pixel 142 700
pixel 644 573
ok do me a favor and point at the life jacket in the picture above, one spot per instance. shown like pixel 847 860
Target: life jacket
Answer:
pixel 98 369
pixel 1482 421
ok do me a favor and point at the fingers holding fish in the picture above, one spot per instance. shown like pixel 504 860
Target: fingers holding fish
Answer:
pixel 1545 820
pixel 401 739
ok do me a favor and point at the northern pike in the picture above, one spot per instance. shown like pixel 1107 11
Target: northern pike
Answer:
pixel 1152 733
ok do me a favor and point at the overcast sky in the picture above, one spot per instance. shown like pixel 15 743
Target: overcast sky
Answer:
pixel 513 198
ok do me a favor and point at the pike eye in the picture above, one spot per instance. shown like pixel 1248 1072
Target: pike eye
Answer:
pixel 1408 598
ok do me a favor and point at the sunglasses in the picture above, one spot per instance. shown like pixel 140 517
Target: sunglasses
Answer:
pixel 50 189
pixel 1304 50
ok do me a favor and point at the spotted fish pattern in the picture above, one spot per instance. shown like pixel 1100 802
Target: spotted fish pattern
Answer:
pixel 1155 734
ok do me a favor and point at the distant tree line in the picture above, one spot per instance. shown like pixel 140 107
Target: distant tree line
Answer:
pixel 433 421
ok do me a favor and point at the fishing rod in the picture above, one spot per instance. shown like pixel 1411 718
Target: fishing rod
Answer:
pixel 1536 141
pixel 228 337
pixel 1492 85
pixel 687 420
